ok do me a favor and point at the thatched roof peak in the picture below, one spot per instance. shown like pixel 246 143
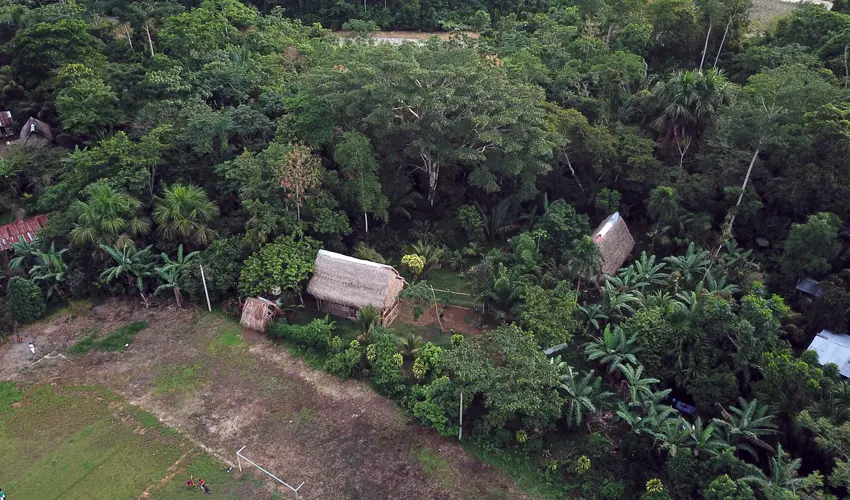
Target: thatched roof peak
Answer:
pixel 354 282
pixel 615 242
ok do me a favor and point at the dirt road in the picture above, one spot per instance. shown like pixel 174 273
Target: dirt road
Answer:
pixel 225 388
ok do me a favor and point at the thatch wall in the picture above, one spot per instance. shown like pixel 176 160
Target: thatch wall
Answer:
pixel 35 132
pixel 355 283
pixel 258 313
pixel 615 242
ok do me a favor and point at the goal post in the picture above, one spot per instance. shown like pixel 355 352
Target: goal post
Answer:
pixel 240 458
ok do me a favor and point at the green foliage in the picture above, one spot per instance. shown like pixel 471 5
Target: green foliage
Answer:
pixel 24 300
pixel 519 388
pixel 789 384
pixel 435 405
pixel 316 334
pixel 87 106
pixel 282 265
pixel 387 376
pixel 428 361
pixel 416 263
pixel 107 217
pixel 347 363
pixel 549 315
pixel 182 213
pixel 811 248
pixel 367 317
pixel 471 221
pixel 724 488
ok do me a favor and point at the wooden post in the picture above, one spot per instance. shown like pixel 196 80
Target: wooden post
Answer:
pixel 460 418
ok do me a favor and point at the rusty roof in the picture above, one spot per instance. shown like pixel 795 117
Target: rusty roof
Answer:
pixel 26 228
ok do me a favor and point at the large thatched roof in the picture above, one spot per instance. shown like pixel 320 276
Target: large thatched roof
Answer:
pixel 38 127
pixel 615 242
pixel 354 282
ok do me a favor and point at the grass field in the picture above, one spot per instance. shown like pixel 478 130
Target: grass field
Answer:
pixel 85 442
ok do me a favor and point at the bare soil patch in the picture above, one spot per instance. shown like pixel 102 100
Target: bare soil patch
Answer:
pixel 340 437
pixel 454 318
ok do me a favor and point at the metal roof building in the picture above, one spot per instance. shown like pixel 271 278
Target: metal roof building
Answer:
pixel 810 286
pixel 26 229
pixel 833 348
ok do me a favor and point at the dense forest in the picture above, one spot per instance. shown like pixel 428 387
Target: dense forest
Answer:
pixel 244 136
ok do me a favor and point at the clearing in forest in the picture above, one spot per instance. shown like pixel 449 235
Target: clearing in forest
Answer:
pixel 224 388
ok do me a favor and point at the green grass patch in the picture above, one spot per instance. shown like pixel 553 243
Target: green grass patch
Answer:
pixel 435 467
pixel 446 279
pixel 115 341
pixel 180 378
pixel 230 339
pixel 9 395
pixel 75 443
pixel 521 469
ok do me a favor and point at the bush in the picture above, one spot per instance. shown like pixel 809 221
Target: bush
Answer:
pixel 472 222
pixel 435 405
pixel 232 307
pixel 612 490
pixel 315 334
pixel 348 363
pixel 682 473
pixel 387 375
pixel 24 300
pixel 360 26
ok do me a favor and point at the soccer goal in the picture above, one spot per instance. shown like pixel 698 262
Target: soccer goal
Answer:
pixel 240 458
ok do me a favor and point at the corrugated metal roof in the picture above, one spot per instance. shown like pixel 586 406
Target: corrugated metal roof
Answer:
pixel 833 348
pixel 27 228
pixel 810 286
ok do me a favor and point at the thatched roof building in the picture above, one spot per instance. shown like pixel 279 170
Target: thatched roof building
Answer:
pixel 36 133
pixel 258 313
pixel 615 242
pixel 342 285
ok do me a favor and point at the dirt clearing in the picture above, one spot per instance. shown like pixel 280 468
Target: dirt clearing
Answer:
pixel 225 388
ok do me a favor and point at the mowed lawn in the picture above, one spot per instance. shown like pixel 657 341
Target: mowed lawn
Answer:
pixel 87 443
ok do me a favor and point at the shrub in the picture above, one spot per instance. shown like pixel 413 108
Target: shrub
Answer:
pixel 360 26
pixel 682 473
pixel 387 375
pixel 315 334
pixel 282 265
pixel 472 222
pixel 427 360
pixel 612 490
pixel 232 307
pixel 435 405
pixel 347 363
pixel 24 300
pixel 582 465
pixel 416 263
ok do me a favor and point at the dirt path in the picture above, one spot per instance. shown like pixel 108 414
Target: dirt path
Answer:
pixel 225 388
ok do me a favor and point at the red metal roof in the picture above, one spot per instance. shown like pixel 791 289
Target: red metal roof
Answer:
pixel 27 228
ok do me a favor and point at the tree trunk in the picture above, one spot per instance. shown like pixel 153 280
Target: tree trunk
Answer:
pixel 572 171
pixel 178 298
pixel 431 168
pixel 743 188
pixel 129 39
pixel 705 47
pixel 145 301
pixel 722 41
pixel 366 218
pixel 150 42
pixel 846 70
pixel 682 152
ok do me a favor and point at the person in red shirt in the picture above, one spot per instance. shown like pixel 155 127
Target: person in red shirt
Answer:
pixel 190 483
pixel 203 486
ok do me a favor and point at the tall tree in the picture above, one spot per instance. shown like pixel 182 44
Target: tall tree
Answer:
pixel 360 181
pixel 107 217
pixel 182 213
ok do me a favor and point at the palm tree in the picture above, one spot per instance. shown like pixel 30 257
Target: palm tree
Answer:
pixel 746 425
pixel 107 217
pixel 431 253
pixel 583 394
pixel 716 286
pixel 615 305
pixel 408 346
pixel 584 262
pixel 662 205
pixel 640 388
pixel 613 349
pixel 686 104
pixel 135 265
pixel 647 271
pixel 171 273
pixel 673 434
pixel 783 476
pixel 25 253
pixel 402 198
pixel 504 299
pixel 691 265
pixel 498 224
pixel 183 212
pixel 51 270
pixel 366 319
pixel 705 440
pixel 594 314
pixel 646 419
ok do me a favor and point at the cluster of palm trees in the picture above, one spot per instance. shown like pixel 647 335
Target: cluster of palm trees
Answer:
pixel 110 222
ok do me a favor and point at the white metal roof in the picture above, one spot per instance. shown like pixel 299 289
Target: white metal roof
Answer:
pixel 833 348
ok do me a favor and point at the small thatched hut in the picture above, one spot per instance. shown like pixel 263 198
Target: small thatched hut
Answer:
pixel 343 284
pixel 258 313
pixel 36 133
pixel 615 242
